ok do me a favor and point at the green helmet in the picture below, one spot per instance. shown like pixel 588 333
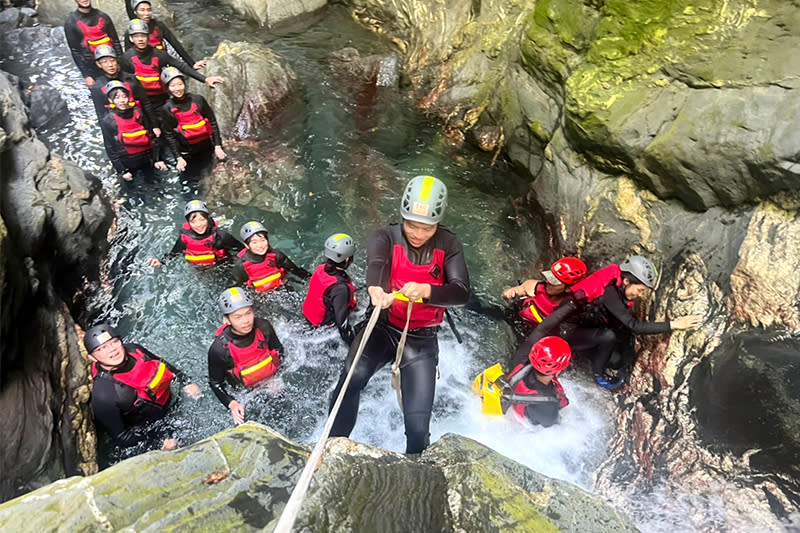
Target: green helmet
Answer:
pixel 193 206
pixel 99 334
pixel 137 26
pixel 250 229
pixel 233 299
pixel 424 200
pixel 339 247
pixel 642 269
pixel 104 51
pixel 170 73
pixel 113 85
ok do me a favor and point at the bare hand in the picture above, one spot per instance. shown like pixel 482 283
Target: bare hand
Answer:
pixel 510 293
pixel 155 263
pixel 416 291
pixel 160 165
pixel 157 132
pixel 180 163
pixel 220 153
pixel 127 176
pixel 237 411
pixel 379 297
pixel 686 322
pixel 213 80
pixel 193 390
pixel 200 64
pixel 169 444
pixel 89 81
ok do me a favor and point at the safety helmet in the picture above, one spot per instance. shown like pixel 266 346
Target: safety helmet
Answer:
pixel 250 229
pixel 104 51
pixel 135 3
pixel 170 73
pixel 642 269
pixel 550 355
pixel 232 300
pixel 137 26
pixel 424 200
pixel 99 334
pixel 193 206
pixel 569 270
pixel 339 247
pixel 113 85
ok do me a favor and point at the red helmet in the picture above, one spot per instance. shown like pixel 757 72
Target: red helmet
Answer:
pixel 569 270
pixel 550 355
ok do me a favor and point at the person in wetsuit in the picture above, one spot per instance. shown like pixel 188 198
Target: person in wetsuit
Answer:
pixel 85 29
pixel 261 266
pixel 422 263
pixel 106 60
pixel 159 32
pixel 131 386
pixel 331 296
pixel 201 241
pixel 596 320
pixel 245 350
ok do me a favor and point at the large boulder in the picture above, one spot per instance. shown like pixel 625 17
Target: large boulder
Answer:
pixel 269 13
pixel 242 478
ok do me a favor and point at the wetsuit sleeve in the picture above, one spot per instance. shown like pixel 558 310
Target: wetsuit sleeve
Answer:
pixel 75 43
pixel 168 124
pixel 114 148
pixel 173 41
pixel 226 241
pixel 206 111
pixel 269 334
pixel 612 301
pixel 219 363
pixel 239 273
pixel 165 59
pixel 281 261
pixel 379 259
pixel 455 290
pixel 177 249
pixel 108 415
pixel 339 294
pixel 112 34
pixel 549 326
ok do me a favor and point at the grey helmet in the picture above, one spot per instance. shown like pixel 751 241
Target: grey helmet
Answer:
pixel 424 200
pixel 104 50
pixel 136 26
pixel 250 229
pixel 642 269
pixel 170 73
pixel 339 247
pixel 135 3
pixel 193 206
pixel 99 334
pixel 113 85
pixel 232 300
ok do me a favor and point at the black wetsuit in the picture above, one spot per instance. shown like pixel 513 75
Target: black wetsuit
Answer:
pixel 220 362
pixel 83 56
pixel 281 261
pixel 222 241
pixel 101 100
pixel 421 354
pixel 115 405
pixel 166 36
pixel 544 414
pixel 164 59
pixel 198 156
pixel 336 300
pixel 120 158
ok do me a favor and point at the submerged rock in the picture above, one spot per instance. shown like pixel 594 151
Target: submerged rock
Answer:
pixel 242 478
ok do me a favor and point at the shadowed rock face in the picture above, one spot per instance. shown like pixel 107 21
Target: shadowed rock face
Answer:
pixel 52 234
pixel 241 479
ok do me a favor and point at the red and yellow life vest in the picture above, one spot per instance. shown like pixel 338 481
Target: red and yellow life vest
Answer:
pixel 404 271
pixel 263 276
pixel 94 36
pixel 150 378
pixel 149 75
pixel 132 134
pixel 154 39
pixel 194 127
pixel 594 285
pixel 314 305
pixel 538 306
pixel 253 363
pixel 524 390
pixel 201 251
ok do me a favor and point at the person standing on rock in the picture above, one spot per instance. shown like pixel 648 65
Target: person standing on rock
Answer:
pixel 159 33
pixel 190 127
pixel 415 270
pixel 85 29
pixel 596 320
pixel 331 296
pixel 132 386
pixel 201 241
pixel 245 351
pixel 147 62
pixel 261 266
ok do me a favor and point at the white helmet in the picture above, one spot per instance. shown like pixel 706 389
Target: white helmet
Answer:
pixel 642 269
pixel 424 200
pixel 339 247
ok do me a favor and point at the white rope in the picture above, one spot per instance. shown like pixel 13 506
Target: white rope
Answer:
pixel 401 346
pixel 292 509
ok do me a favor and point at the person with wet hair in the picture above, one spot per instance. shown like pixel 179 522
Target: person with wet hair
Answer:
pixel 201 241
pixel 85 29
pixel 159 32
pixel 259 265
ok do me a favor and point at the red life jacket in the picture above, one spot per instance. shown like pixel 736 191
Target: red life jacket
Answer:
pixel 154 39
pixel 524 390
pixel 314 306
pixel 194 127
pixel 594 285
pixel 150 378
pixel 132 134
pixel 403 271
pixel 130 92
pixel 149 75
pixel 94 36
pixel 201 251
pixel 265 275
pixel 538 306
pixel 253 363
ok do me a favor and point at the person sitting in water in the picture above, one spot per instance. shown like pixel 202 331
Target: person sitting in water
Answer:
pixel 331 296
pixel 597 317
pixel 537 394
pixel 201 241
pixel 261 266
pixel 246 350
pixel 159 32
pixel 132 386
pixel 535 299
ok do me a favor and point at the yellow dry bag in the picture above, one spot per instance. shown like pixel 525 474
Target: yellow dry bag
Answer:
pixel 490 392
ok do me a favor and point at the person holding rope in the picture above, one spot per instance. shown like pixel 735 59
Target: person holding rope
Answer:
pixel 414 271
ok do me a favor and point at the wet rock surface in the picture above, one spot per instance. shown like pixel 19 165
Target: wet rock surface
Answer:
pixel 270 13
